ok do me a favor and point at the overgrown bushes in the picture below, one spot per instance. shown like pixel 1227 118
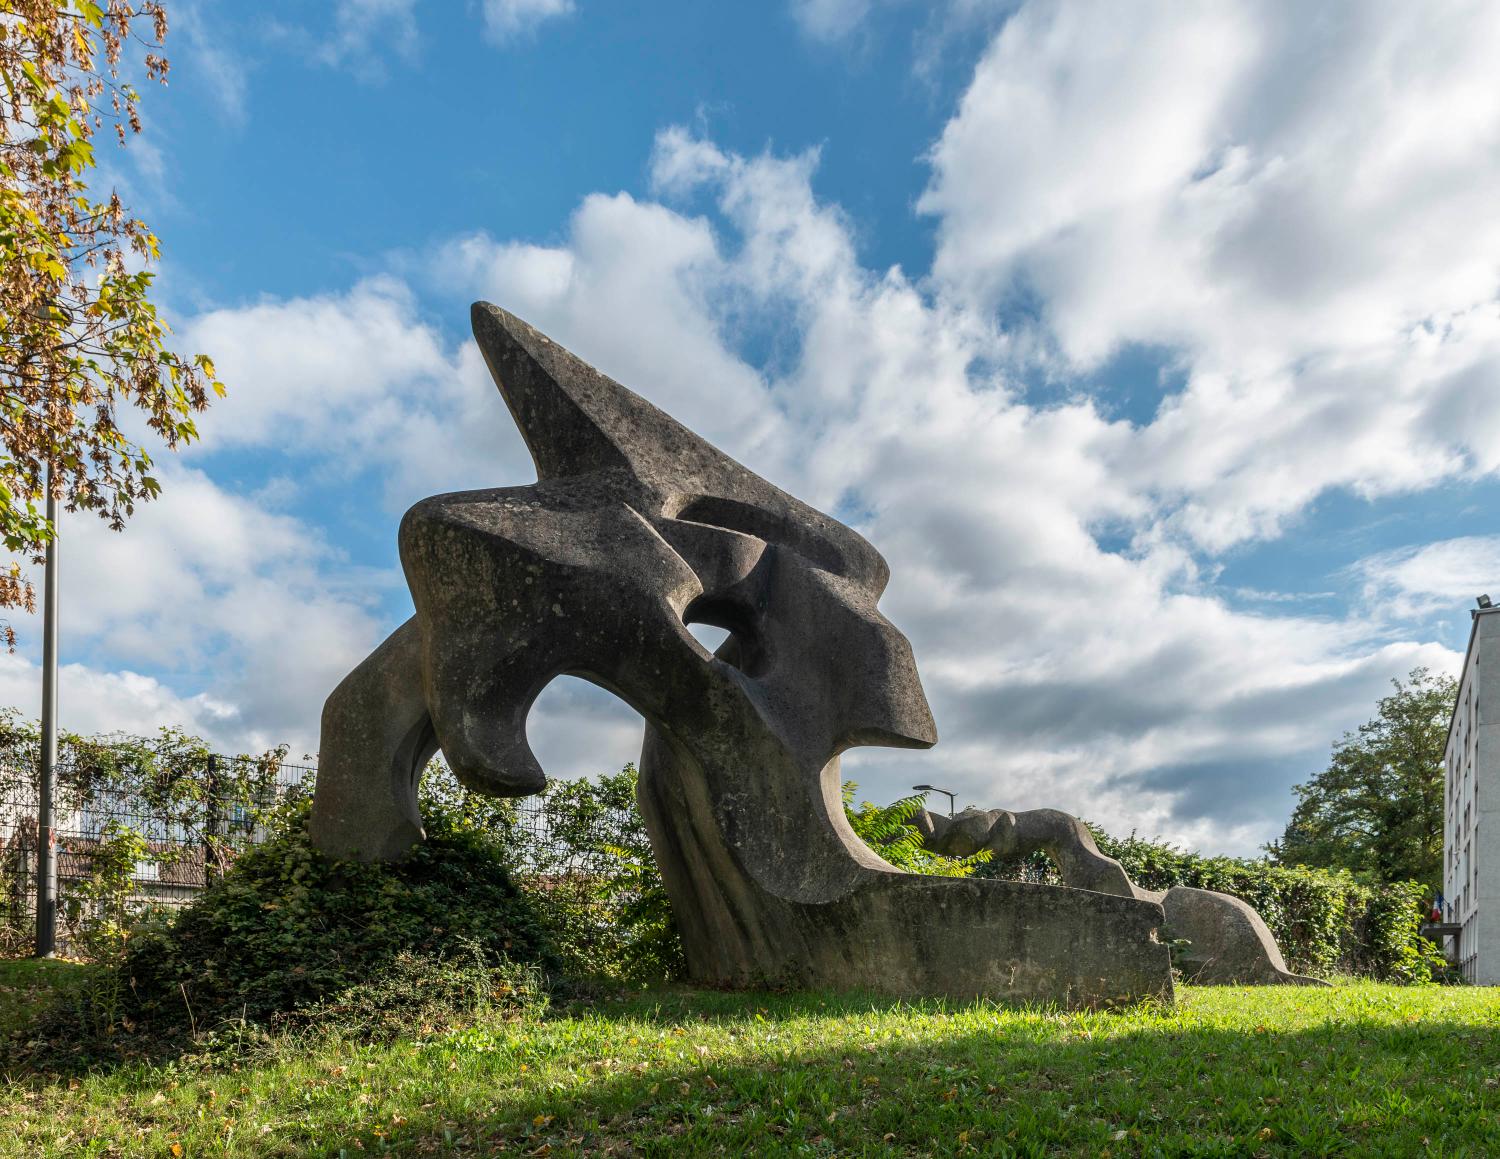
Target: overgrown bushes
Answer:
pixel 291 940
pixel 1325 921
pixel 290 930
pixel 495 910
pixel 582 853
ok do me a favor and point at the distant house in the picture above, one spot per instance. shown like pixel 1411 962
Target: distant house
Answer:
pixel 1471 834
pixel 172 875
pixel 19 804
pixel 18 807
pixel 18 843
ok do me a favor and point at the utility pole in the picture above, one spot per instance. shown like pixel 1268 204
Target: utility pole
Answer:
pixel 46 852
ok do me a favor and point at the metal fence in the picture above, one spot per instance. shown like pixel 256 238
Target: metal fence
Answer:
pixel 175 848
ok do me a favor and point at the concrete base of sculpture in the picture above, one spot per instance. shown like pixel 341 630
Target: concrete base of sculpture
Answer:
pixel 886 930
pixel 1227 942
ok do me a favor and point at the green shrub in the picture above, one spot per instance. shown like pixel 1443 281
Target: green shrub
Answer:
pixel 288 931
pixel 586 860
pixel 1036 867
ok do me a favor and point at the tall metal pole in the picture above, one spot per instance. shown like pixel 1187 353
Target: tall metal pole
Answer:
pixel 46 857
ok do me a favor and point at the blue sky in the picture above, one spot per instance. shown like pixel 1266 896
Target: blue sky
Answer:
pixel 1157 347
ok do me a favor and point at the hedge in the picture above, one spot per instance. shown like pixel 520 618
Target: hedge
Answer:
pixel 1325 921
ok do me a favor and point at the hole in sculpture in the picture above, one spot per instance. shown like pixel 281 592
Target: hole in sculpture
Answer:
pixel 728 631
pixel 709 635
pixel 577 729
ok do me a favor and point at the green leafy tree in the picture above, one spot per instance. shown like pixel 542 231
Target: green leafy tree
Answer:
pixel 79 335
pixel 1377 809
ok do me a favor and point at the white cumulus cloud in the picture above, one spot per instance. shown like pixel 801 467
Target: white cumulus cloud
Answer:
pixel 1417 581
pixel 506 20
pixel 1299 209
pixel 253 611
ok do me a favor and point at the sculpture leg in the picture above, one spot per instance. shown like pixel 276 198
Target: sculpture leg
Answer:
pixel 891 932
pixel 376 740
pixel 1071 846
pixel 1228 942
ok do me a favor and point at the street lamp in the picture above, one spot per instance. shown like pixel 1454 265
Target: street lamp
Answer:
pixel 935 789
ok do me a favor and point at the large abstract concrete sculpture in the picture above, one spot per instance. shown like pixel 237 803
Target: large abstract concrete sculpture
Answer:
pixel 1226 941
pixel 636 529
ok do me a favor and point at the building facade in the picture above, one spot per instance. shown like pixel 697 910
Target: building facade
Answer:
pixel 1471 830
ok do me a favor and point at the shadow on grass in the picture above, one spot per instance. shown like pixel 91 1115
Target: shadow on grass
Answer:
pixel 60 1039
pixel 989 1083
pixel 29 985
pixel 1232 1072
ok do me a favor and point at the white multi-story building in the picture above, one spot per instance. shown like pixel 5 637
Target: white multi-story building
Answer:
pixel 1471 800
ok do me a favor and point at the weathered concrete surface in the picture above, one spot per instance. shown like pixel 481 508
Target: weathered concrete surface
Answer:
pixel 635 529
pixel 377 739
pixel 1011 836
pixel 1228 941
pixel 887 931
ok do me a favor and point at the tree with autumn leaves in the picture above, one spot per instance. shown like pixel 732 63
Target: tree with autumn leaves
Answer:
pixel 80 338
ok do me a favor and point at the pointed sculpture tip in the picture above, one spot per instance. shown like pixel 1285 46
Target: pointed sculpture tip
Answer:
pixel 490 322
pixel 488 314
pixel 565 423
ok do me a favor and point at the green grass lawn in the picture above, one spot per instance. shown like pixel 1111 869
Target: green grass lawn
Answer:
pixel 1358 1069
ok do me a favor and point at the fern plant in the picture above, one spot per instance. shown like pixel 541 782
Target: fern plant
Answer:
pixel 888 830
